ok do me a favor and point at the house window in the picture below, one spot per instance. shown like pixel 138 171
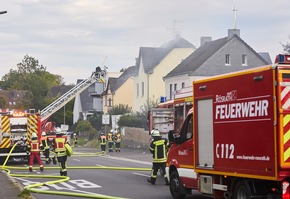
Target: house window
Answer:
pixel 244 60
pixel 110 102
pixel 175 87
pixel 143 89
pixel 170 91
pixel 138 90
pixel 182 85
pixel 228 59
pixel 106 97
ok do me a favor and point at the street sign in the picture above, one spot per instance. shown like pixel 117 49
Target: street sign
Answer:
pixel 105 119
pixel 115 119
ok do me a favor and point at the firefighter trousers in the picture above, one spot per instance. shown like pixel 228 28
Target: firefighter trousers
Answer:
pixel 103 147
pixel 118 146
pixel 62 160
pixel 110 146
pixel 46 155
pixel 155 167
pixel 37 156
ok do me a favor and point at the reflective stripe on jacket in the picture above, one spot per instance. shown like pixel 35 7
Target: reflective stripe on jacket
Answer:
pixel 103 140
pixel 110 137
pixel 44 142
pixel 158 147
pixel 118 137
pixel 59 143
pixel 34 146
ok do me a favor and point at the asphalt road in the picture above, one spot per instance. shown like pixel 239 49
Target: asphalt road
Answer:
pixel 109 182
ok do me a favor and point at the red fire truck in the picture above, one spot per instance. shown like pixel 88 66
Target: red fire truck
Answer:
pixel 16 127
pixel 170 115
pixel 235 141
pixel 182 104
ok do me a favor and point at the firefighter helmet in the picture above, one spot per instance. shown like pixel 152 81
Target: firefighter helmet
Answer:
pixel 43 133
pixel 58 131
pixel 155 133
pixel 33 135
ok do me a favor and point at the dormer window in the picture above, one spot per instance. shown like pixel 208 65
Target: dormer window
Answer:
pixel 228 59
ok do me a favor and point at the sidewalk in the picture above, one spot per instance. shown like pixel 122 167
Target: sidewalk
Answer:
pixel 9 188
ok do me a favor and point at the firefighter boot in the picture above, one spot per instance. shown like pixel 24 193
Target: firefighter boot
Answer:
pixel 54 161
pixel 65 173
pixel 41 167
pixel 48 161
pixel 151 180
pixel 30 168
pixel 166 181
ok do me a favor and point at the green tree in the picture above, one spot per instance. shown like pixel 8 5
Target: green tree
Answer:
pixel 3 102
pixel 138 119
pixel 34 78
pixel 120 109
pixel 286 47
pixel 96 121
pixel 133 120
pixel 85 127
pixel 60 118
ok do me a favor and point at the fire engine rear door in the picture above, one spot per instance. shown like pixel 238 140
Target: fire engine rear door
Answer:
pixel 205 133
pixel 284 109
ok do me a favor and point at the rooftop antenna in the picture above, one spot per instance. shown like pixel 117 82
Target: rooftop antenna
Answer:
pixel 174 28
pixel 235 17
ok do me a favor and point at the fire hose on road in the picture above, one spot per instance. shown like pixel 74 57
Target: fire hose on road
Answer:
pixel 33 187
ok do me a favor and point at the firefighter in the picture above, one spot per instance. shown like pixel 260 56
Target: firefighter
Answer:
pixel 60 151
pixel 103 141
pixel 45 148
pixel 118 141
pixel 34 146
pixel 75 140
pixel 110 140
pixel 158 147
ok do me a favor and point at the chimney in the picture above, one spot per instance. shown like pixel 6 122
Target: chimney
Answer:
pixel 232 32
pixel 203 40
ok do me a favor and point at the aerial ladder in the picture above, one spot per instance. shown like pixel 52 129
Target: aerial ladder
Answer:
pixel 99 75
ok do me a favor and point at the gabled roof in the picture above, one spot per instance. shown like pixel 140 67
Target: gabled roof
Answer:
pixel 151 57
pixel 13 96
pixel 194 61
pixel 115 83
pixel 111 85
pixel 199 56
pixel 178 42
pixel 266 56
pixel 85 98
pixel 57 91
pixel 129 72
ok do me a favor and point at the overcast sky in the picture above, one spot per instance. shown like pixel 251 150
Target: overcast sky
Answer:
pixel 72 37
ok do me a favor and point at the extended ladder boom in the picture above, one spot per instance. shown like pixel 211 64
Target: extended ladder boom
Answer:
pixel 97 76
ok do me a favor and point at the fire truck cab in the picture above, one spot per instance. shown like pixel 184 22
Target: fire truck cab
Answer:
pixel 235 142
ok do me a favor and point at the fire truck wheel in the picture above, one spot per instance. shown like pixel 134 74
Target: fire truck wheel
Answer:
pixel 242 190
pixel 176 188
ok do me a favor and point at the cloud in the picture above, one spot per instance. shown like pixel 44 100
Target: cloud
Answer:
pixel 72 37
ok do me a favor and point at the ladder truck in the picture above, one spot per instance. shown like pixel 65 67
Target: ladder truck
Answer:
pixel 16 127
